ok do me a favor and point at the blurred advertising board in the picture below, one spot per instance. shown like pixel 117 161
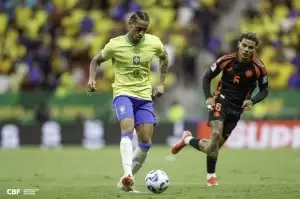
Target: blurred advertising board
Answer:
pixel 260 134
pixel 23 106
pixel 91 134
pixel 95 134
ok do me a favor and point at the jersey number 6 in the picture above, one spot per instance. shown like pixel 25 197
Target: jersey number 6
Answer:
pixel 218 108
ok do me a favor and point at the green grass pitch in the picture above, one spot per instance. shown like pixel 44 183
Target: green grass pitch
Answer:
pixel 76 173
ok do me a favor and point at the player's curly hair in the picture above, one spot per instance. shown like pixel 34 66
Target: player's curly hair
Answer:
pixel 251 36
pixel 139 15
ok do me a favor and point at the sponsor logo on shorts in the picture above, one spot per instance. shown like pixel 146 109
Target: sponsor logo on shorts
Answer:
pixel 122 109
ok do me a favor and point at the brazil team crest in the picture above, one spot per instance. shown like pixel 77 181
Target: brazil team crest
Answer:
pixel 136 60
pixel 122 109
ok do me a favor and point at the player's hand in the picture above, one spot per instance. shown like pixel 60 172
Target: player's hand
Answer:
pixel 158 91
pixel 210 103
pixel 247 105
pixel 91 86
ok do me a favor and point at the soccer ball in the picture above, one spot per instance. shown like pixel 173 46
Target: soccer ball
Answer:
pixel 157 181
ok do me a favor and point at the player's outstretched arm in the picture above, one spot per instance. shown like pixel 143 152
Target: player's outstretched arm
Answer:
pixel 96 61
pixel 211 73
pixel 164 65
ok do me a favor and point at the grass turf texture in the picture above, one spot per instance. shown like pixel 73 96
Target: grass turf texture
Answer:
pixel 76 173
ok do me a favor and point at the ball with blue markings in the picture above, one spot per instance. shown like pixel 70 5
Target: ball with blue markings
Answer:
pixel 157 181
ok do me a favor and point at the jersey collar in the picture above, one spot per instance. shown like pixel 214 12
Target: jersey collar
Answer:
pixel 128 40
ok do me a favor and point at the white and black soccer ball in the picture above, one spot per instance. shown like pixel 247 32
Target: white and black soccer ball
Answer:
pixel 157 181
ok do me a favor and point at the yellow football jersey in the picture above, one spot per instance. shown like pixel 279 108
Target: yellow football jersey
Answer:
pixel 132 64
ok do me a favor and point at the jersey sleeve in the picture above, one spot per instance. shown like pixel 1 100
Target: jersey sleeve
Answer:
pixel 221 63
pixel 261 73
pixel 159 48
pixel 262 79
pixel 108 51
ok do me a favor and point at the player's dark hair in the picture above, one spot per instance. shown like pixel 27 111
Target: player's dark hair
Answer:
pixel 251 36
pixel 139 15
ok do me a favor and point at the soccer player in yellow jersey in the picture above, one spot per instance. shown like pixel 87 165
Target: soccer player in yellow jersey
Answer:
pixel 132 55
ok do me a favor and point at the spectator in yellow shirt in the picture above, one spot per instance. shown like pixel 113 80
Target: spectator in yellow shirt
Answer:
pixel 279 72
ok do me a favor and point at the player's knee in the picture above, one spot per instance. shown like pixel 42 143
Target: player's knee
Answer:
pixel 127 130
pixel 145 145
pixel 145 133
pixel 127 126
pixel 202 144
pixel 145 137
pixel 216 134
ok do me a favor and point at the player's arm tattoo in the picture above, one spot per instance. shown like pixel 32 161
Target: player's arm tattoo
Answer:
pixel 96 61
pixel 164 66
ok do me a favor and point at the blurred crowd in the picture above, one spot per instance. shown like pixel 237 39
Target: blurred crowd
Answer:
pixel 48 44
pixel 278 24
